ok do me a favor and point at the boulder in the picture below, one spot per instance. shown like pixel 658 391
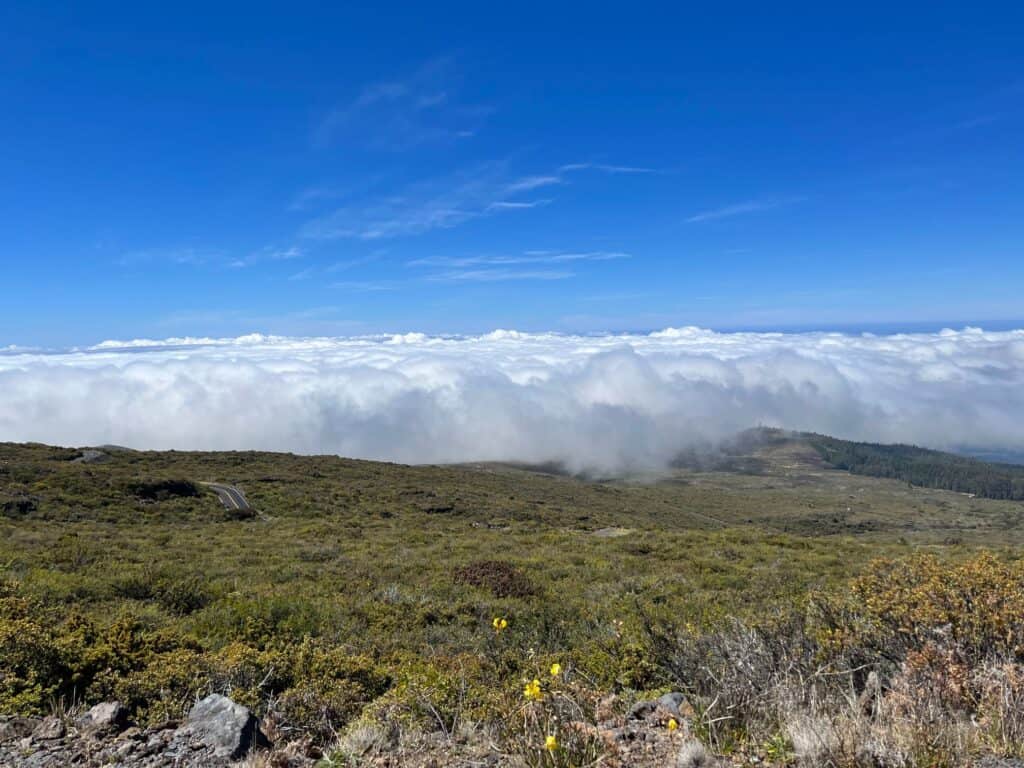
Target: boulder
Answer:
pixel 16 728
pixel 108 717
pixel 91 456
pixel 670 705
pixel 642 709
pixel 229 729
pixel 51 727
pixel 674 703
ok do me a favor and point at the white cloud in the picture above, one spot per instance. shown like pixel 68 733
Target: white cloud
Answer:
pixel 442 203
pixel 268 253
pixel 366 286
pixel 512 205
pixel 178 256
pixel 437 204
pixel 750 206
pixel 310 196
pixel 302 274
pixel 344 265
pixel 402 114
pixel 604 401
pixel 418 209
pixel 529 257
pixel 605 168
pixel 498 275
pixel 528 183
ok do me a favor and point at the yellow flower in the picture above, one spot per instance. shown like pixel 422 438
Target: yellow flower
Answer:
pixel 499 624
pixel 532 691
pixel 672 724
pixel 551 743
pixel 556 670
pixel 504 623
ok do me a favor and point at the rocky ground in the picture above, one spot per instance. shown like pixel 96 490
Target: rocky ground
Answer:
pixel 217 732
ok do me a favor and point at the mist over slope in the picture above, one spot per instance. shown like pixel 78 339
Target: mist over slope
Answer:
pixel 609 402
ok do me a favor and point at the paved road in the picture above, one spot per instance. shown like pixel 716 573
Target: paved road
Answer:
pixel 229 496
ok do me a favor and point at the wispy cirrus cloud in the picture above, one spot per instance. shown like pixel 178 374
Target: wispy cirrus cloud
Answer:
pixel 269 253
pixel 184 256
pixel 367 286
pixel 738 209
pixel 528 183
pixel 309 196
pixel 517 205
pixel 606 168
pixel 442 203
pixel 402 114
pixel 393 217
pixel 497 275
pixel 419 208
pixel 528 257
pixel 564 173
pixel 530 265
pixel 344 265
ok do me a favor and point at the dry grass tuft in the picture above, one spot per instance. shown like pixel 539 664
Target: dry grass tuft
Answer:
pixel 920 665
pixel 693 754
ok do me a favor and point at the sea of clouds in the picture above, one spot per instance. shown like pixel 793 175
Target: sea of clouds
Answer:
pixel 594 402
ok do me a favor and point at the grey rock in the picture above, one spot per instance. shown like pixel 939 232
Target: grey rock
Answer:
pixel 669 704
pixel 91 456
pixel 642 710
pixel 672 702
pixel 50 728
pixel 17 728
pixel 110 716
pixel 229 729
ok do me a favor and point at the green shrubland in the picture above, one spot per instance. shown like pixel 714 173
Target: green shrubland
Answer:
pixel 365 598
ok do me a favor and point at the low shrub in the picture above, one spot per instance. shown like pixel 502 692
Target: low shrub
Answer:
pixel 918 663
pixel 178 594
pixel 501 578
pixel 31 668
pixel 162 490
pixel 975 607
pixel 328 688
pixel 158 674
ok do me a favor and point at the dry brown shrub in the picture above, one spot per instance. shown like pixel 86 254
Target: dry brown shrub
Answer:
pixel 501 578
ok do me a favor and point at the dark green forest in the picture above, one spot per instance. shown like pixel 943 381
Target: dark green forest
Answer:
pixel 923 467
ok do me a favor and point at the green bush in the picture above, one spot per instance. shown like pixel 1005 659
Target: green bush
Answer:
pixel 328 688
pixel 32 672
pixel 975 606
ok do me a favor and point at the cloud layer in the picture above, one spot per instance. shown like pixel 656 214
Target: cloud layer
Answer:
pixel 605 402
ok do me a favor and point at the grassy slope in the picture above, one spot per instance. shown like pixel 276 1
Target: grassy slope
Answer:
pixel 363 552
pixel 362 556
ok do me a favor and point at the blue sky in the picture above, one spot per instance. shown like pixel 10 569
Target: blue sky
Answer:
pixel 447 168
